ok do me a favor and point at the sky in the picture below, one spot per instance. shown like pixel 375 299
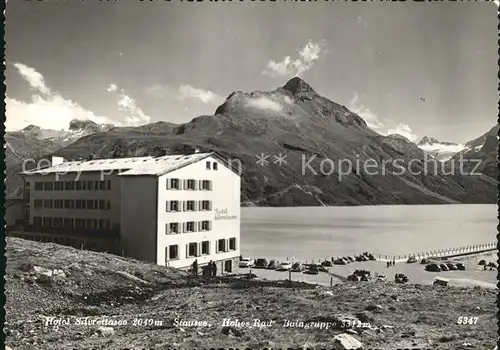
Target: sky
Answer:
pixel 417 69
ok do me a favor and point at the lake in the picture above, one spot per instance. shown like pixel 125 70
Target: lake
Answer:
pixel 305 233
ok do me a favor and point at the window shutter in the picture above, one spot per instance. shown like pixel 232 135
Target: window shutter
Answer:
pixel 216 246
pixel 200 184
pixel 167 206
pixel 209 225
pixel 169 185
pixel 227 245
pixel 195 205
pixel 187 250
pixel 194 226
pixel 195 183
pixel 210 185
pixel 184 203
pixel 185 182
pixel 210 205
pixel 198 250
pixel 199 226
pixel 167 231
pixel 183 227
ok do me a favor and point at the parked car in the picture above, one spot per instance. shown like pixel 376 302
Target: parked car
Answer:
pixel 261 264
pixel 381 277
pixel 401 278
pixel 440 281
pixel 452 266
pixel 444 267
pixel 482 262
pixel 247 262
pixel 284 266
pixel 433 268
pixel 371 257
pixel 364 258
pixel 273 264
pixel 297 267
pixel 312 269
pixel 358 258
pixel 327 263
pixel 339 261
pixel 461 266
pixel 346 259
pixel 492 264
pixel 424 261
pixel 351 258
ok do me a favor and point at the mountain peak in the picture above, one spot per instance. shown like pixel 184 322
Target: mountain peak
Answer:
pixel 427 140
pixel 31 127
pixel 297 86
pixel 76 124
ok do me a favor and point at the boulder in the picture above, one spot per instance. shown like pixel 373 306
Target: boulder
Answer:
pixel 346 341
pixel 106 331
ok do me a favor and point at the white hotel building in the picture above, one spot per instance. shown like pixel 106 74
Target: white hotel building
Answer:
pixel 170 210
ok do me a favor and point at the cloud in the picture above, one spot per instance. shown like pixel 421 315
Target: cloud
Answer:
pixel 188 92
pixel 370 118
pixel 112 88
pixel 47 109
pixel 265 103
pixel 403 130
pixel 133 115
pixel 288 67
pixel 35 79
pixel 375 123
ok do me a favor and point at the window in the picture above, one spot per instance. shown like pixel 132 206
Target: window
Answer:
pixel 208 165
pixel 78 204
pixel 190 184
pixel 172 227
pixel 38 203
pixel 192 250
pixel 215 166
pixel 69 204
pixel 46 222
pixel 189 226
pixel 78 185
pixel 189 206
pixel 102 185
pixel 228 264
pixel 173 206
pixel 171 252
pixel 173 184
pixel 221 245
pixel 59 186
pixel 38 186
pixel 47 203
pixel 90 224
pixel 104 224
pixel 109 184
pixel 90 185
pixel 205 248
pixel 205 205
pixel 90 204
pixel 47 186
pixel 84 204
pixel 58 203
pixel 37 221
pixel 79 223
pixel 96 185
pixel 205 225
pixel 84 185
pixel 67 223
pixel 232 243
pixel 57 222
pixel 206 185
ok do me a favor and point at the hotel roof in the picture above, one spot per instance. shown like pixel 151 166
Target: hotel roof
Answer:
pixel 162 165
pixel 126 166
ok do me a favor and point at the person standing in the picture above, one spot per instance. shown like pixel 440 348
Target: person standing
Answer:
pixel 214 269
pixel 195 268
pixel 210 268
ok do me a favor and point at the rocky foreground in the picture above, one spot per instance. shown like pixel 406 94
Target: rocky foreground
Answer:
pixel 63 298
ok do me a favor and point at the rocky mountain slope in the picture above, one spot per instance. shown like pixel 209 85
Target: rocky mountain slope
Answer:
pixel 482 151
pixel 33 142
pixel 48 280
pixel 311 134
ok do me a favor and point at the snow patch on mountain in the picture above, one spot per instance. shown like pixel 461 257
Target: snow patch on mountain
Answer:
pixel 439 150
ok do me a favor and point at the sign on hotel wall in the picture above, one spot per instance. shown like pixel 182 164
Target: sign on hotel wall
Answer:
pixel 221 214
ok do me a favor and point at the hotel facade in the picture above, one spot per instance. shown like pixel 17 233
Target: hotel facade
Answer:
pixel 170 210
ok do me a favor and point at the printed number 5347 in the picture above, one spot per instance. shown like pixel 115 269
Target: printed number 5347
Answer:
pixel 467 320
